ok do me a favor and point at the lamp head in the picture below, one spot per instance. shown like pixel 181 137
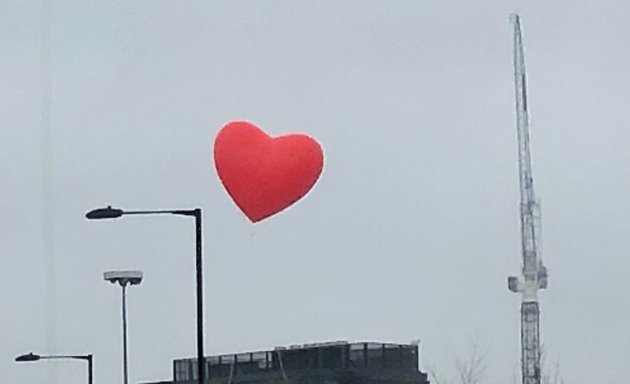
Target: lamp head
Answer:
pixel 104 213
pixel 29 357
pixel 123 277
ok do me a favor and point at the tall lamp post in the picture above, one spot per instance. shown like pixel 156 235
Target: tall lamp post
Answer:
pixel 124 278
pixel 33 357
pixel 113 213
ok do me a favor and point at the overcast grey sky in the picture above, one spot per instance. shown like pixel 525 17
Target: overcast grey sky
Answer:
pixel 410 232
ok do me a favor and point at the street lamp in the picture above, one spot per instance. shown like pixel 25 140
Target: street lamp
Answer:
pixel 124 278
pixel 113 213
pixel 33 357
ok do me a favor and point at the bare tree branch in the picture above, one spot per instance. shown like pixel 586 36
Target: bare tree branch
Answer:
pixel 434 377
pixel 472 370
pixel 469 371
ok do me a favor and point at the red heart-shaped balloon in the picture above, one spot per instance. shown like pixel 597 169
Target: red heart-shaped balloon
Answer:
pixel 265 174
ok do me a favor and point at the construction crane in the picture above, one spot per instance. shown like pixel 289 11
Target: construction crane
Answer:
pixel 534 274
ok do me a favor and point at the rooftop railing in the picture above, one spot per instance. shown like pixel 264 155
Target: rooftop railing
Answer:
pixel 351 356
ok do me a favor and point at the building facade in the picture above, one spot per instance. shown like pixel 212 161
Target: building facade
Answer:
pixel 320 363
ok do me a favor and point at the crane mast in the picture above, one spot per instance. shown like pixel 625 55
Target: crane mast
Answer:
pixel 534 274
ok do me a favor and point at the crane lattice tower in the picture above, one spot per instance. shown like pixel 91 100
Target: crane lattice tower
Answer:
pixel 534 274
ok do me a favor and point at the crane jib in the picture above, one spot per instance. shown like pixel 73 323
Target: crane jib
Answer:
pixel 524 91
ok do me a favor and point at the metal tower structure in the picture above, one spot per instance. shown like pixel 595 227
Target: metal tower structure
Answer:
pixel 534 274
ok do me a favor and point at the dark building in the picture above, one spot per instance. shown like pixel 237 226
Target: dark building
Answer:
pixel 321 363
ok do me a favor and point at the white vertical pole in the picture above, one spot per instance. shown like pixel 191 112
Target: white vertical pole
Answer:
pixel 124 329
